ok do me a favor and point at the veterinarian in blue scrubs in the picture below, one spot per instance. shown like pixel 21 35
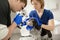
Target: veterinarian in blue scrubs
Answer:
pixel 44 16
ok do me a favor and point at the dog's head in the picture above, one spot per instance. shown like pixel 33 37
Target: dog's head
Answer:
pixel 35 24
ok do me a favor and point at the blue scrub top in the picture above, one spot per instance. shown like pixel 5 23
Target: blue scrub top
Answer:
pixel 47 15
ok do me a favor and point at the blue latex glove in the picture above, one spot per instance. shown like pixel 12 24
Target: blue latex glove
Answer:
pixel 29 27
pixel 24 23
pixel 18 19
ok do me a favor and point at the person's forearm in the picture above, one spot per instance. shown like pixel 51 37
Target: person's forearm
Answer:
pixel 11 29
pixel 48 27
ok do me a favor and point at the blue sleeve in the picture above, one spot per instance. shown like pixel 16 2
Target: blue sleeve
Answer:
pixel 50 15
pixel 31 14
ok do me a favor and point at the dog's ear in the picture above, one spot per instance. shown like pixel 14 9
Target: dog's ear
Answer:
pixel 35 24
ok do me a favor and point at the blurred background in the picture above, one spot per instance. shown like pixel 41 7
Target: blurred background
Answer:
pixel 54 6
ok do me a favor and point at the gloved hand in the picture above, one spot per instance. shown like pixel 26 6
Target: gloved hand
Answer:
pixel 28 22
pixel 25 22
pixel 29 27
pixel 18 19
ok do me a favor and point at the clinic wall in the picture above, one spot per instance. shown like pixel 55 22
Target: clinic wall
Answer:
pixel 56 11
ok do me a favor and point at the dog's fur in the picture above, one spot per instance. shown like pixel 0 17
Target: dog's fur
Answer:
pixel 35 24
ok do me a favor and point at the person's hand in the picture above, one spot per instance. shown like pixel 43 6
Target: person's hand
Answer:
pixel 18 19
pixel 29 24
pixel 29 27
